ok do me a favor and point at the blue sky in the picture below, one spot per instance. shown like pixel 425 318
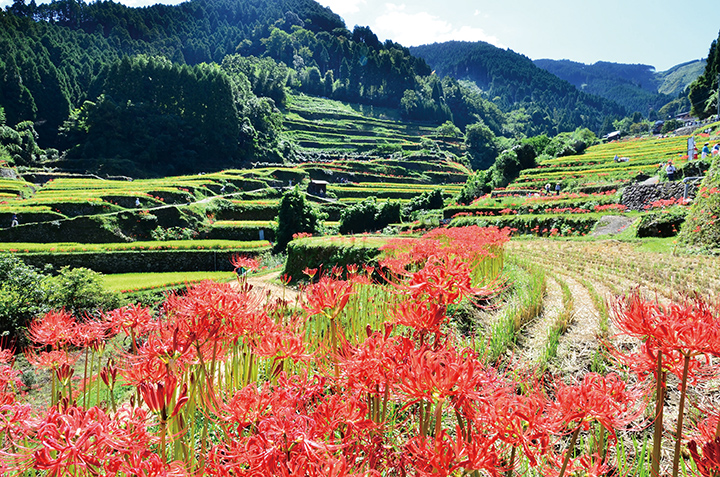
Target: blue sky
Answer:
pixel 660 33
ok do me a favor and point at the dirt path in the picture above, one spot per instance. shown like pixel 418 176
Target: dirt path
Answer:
pixel 269 286
pixel 579 343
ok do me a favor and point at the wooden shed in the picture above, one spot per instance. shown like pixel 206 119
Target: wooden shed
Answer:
pixel 317 187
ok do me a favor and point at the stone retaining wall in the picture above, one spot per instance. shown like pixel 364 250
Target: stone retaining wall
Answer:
pixel 131 261
pixel 637 196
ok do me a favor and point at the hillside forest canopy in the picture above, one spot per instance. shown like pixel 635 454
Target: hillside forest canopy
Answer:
pixel 203 85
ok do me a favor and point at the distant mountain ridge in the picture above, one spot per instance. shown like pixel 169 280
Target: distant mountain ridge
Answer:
pixel 514 82
pixel 637 87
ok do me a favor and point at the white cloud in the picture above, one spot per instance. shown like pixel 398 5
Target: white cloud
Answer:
pixel 412 29
pixel 343 7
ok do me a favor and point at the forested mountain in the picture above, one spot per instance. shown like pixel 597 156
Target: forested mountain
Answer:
pixel 516 84
pixel 201 85
pixel 58 61
pixel 704 90
pixel 635 87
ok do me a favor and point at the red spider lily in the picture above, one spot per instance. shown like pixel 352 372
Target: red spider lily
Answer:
pixel 592 465
pixel 209 311
pixel 50 359
pixel 64 372
pixel 445 455
pixel 352 269
pixel 90 334
pixel 10 383
pixel 374 365
pixel 443 374
pixel 605 399
pixel 310 272
pixel 283 437
pixel 280 343
pixel 160 396
pixel 55 328
pixel 425 318
pixel 708 428
pixel 245 407
pixel 443 282
pixel 134 320
pixel 327 294
pixel 244 262
pixel 709 463
pixel 690 329
pixel 108 374
pixel 7 355
pixel 522 420
pixel 17 423
pixel 72 440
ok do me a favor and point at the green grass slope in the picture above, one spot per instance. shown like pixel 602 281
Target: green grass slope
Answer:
pixel 701 230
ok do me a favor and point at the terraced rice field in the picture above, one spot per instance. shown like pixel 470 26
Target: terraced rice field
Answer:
pixel 597 167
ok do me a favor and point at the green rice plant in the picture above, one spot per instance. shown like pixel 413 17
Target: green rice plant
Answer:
pixel 560 326
pixel 600 306
pixel 125 282
pixel 527 283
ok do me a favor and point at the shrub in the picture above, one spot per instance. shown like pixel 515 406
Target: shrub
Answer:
pixel 295 214
pixel 387 213
pixel 26 292
pixel 359 217
pixel 671 125
pixel 80 291
pixel 475 186
pixel 22 296
pixel 429 200
pixel 661 224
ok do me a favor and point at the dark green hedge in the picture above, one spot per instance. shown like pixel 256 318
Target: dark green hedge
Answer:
pixel 542 225
pixel 325 255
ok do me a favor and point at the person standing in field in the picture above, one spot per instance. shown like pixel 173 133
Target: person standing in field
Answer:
pixel 557 188
pixel 670 171
pixel 14 222
pixel 547 188
pixel 705 150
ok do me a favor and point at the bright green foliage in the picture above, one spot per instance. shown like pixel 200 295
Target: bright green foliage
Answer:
pixel 704 90
pixel 369 215
pixel 701 229
pixel 19 143
pixel 670 125
pixel 480 141
pixel 80 291
pixel 475 186
pixel 295 215
pixel 23 295
pixel 569 144
pixel 429 200
pixel 448 130
pixel 26 292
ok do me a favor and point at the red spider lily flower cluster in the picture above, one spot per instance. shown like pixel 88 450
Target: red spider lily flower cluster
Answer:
pixel 244 262
pixel 709 463
pixel 219 381
pixel 327 296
